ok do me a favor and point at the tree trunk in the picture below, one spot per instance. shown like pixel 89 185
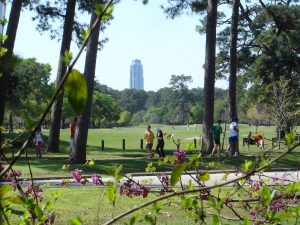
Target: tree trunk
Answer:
pixel 11 123
pixel 53 144
pixel 233 64
pixel 9 43
pixel 209 78
pixel 89 73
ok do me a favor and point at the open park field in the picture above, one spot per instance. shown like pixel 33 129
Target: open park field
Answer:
pixel 91 204
pixel 135 160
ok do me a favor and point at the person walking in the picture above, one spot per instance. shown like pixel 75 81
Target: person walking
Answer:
pixel 217 130
pixel 38 142
pixel 149 137
pixel 73 125
pixel 160 143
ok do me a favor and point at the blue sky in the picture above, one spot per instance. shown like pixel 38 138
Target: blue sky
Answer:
pixel 138 31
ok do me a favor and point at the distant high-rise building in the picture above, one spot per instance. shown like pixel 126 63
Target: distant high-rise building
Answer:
pixel 136 75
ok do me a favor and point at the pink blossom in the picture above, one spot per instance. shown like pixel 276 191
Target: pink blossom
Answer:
pixel 77 175
pixel 34 191
pixel 97 180
pixel 180 154
pixel 130 188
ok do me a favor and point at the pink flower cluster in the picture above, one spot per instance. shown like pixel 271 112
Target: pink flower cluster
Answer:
pixel 13 177
pixel 34 191
pixel 180 154
pixel 163 178
pixel 278 205
pixel 77 175
pixel 97 180
pixel 256 184
pixel 130 188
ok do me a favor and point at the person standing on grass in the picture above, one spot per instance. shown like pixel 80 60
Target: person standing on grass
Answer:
pixel 233 148
pixel 38 142
pixel 72 140
pixel 160 143
pixel 149 137
pixel 217 130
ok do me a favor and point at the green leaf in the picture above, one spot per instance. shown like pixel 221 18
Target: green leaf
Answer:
pixel 15 200
pixel 289 138
pixel 3 51
pixel 285 215
pixel 75 221
pixel 265 195
pixel 149 219
pixel 68 57
pixel 293 187
pixel 49 205
pixel 56 194
pixel 85 34
pixel 135 218
pixel 247 165
pixel 38 212
pixel 110 191
pixel 98 9
pixel 216 220
pixel 157 207
pixel 4 190
pixel 204 177
pixel 176 173
pixel 76 87
pixel 115 172
pixel 247 221
pixel 190 185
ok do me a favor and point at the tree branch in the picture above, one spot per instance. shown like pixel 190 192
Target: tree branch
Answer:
pixel 201 188
pixel 59 87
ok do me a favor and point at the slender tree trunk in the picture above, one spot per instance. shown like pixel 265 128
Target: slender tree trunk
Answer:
pixel 9 43
pixel 233 64
pixel 209 78
pixel 11 123
pixel 89 73
pixel 233 59
pixel 53 144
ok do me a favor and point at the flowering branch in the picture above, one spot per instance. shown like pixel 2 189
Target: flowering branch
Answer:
pixel 252 172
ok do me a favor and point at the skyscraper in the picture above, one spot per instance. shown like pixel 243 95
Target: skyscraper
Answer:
pixel 136 75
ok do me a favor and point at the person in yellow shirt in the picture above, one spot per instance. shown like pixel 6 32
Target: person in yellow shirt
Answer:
pixel 149 137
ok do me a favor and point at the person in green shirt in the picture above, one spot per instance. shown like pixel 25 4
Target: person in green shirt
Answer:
pixel 217 130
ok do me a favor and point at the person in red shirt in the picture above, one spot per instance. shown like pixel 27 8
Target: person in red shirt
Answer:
pixel 72 139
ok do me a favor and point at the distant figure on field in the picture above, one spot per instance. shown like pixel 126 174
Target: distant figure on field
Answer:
pixel 38 142
pixel 233 148
pixel 160 143
pixel 149 137
pixel 217 130
pixel 72 139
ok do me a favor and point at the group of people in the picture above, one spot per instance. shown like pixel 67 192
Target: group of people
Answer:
pixel 149 137
pixel 232 139
pixel 233 148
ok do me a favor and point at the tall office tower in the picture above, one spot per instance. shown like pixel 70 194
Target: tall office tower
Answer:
pixel 136 75
pixel 2 15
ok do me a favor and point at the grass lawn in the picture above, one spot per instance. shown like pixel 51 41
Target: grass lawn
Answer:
pixel 134 159
pixel 92 206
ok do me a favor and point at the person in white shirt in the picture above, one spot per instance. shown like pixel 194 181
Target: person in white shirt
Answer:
pixel 233 148
pixel 39 143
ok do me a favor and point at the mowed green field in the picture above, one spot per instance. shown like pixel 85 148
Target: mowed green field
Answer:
pixel 134 159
